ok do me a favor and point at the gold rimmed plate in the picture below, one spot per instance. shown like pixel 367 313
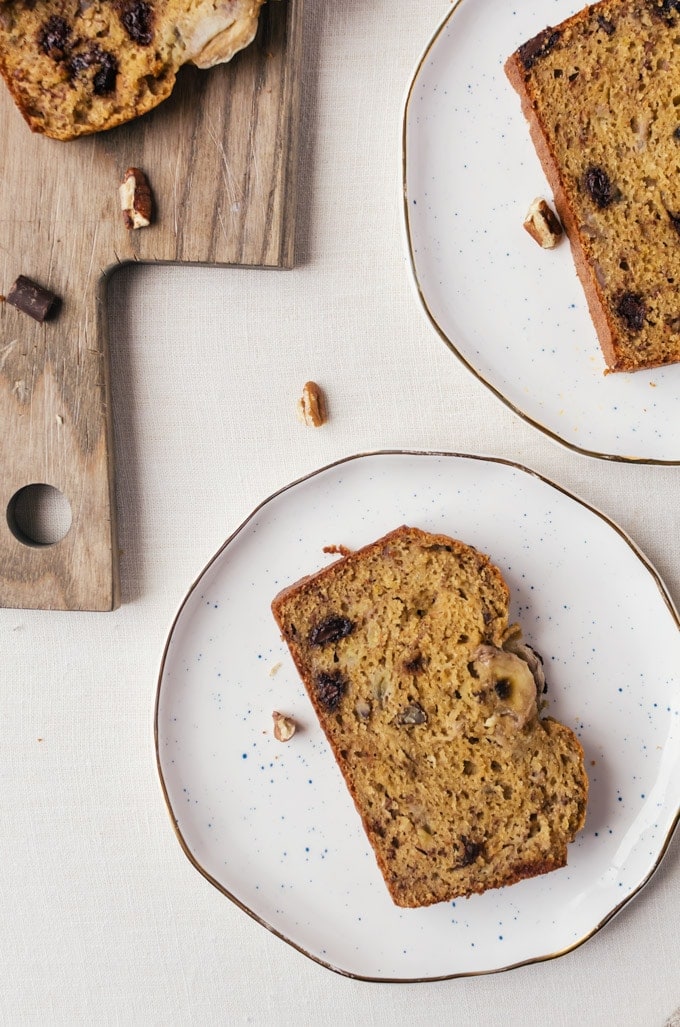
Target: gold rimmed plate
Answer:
pixel 272 826
pixel 513 313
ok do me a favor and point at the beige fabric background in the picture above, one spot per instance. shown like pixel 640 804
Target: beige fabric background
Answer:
pixel 102 919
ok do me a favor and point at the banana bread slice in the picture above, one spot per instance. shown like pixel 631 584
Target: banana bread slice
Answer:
pixel 81 66
pixel 600 92
pixel 430 703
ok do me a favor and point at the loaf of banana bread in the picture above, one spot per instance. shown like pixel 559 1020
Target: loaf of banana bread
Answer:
pixel 76 67
pixel 430 703
pixel 600 92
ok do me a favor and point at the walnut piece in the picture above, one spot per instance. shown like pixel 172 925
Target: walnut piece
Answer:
pixel 311 406
pixel 135 199
pixel 284 727
pixel 543 225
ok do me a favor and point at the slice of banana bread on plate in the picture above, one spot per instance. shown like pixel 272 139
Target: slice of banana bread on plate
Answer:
pixel 600 92
pixel 430 703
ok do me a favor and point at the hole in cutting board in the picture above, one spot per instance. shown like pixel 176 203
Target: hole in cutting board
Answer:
pixel 39 515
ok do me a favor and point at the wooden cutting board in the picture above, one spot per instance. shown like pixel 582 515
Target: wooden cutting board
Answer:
pixel 220 156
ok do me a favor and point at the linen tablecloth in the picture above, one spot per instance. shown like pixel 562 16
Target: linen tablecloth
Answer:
pixel 102 918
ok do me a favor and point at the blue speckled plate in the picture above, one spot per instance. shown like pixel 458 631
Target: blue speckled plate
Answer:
pixel 272 825
pixel 514 313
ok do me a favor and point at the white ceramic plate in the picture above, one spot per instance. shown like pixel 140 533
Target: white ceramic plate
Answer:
pixel 514 313
pixel 272 825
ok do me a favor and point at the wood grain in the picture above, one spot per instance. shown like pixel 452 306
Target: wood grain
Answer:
pixel 220 155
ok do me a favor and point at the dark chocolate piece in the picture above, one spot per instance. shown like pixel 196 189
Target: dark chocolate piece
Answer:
pixel 632 310
pixel 665 9
pixel 471 851
pixel 330 630
pixel 606 25
pixel 599 187
pixel 105 68
pixel 32 299
pixel 330 689
pixel 503 688
pixel 138 18
pixel 54 38
pixel 538 47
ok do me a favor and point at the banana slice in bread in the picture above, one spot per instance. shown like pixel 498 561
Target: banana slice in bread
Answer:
pixel 431 705
pixel 81 66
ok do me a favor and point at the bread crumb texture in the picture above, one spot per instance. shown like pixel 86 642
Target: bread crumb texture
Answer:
pixel 601 92
pixel 430 703
pixel 81 66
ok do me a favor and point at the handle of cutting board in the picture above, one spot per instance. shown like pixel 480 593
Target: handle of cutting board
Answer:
pixel 55 409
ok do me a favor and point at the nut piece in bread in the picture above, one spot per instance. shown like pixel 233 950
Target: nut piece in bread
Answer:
pixel 75 68
pixel 431 706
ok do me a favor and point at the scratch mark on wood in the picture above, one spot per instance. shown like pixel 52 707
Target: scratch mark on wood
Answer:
pixel 20 390
pixel 5 352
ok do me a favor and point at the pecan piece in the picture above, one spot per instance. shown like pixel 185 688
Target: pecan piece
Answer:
pixel 311 407
pixel 543 225
pixel 135 199
pixel 284 727
pixel 410 715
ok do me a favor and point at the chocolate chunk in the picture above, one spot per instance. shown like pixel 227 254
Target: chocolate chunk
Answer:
pixel 54 38
pixel 105 65
pixel 665 9
pixel 330 689
pixel 29 297
pixel 676 134
pixel 471 852
pixel 415 664
pixel 538 47
pixel 607 26
pixel 137 19
pixel 104 80
pixel 503 688
pixel 675 221
pixel 597 184
pixel 632 310
pixel 330 630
